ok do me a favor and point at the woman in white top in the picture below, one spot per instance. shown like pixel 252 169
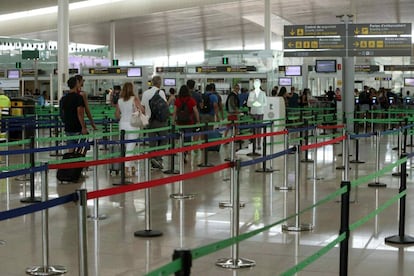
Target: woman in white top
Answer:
pixel 124 109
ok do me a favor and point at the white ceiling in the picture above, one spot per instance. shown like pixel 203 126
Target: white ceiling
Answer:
pixel 148 28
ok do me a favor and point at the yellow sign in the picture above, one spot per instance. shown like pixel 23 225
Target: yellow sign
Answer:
pixel 306 44
pixel 380 44
pixel 364 30
pixel 298 44
pixel 315 44
pixel 363 44
pixel 371 44
pixel 300 32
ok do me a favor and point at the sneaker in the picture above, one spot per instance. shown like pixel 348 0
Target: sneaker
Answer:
pixel 157 164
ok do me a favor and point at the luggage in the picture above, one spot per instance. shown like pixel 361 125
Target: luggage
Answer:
pixel 72 174
pixel 214 136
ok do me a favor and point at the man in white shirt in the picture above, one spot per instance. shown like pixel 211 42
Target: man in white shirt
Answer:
pixel 153 124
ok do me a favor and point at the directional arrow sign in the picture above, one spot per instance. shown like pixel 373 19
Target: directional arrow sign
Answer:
pixel 314 30
pixel 380 29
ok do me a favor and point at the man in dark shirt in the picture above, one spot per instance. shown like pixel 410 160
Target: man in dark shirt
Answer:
pixel 73 109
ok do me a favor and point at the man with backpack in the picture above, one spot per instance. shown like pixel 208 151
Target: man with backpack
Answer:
pixel 156 108
pixel 209 106
pixel 232 106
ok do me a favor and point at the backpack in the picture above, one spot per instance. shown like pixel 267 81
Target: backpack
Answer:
pixel 205 105
pixel 183 114
pixel 115 97
pixel 159 108
pixel 363 98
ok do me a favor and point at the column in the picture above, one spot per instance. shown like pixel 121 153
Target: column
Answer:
pixel 63 45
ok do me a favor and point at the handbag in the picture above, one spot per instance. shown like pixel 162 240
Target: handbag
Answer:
pixel 138 119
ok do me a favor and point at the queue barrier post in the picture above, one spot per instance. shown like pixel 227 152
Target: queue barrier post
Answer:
pixel 180 194
pixel 172 170
pixel 402 238
pixel 186 261
pixel 123 180
pixel 264 169
pixel 229 204
pixel 235 261
pixel 344 228
pixel 399 148
pixel 298 225
pixel 32 198
pixel 306 138
pixel 356 160
pixel 205 150
pixel 45 268
pixel 23 177
pixel 147 232
pixel 377 184
pixel 285 186
pixel 96 215
pixel 82 232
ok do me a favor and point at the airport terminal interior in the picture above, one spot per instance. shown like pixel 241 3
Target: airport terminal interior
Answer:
pixel 320 185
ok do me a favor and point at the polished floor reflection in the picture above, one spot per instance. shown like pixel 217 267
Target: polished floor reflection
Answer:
pixel 114 250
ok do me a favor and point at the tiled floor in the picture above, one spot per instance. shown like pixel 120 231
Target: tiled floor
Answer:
pixel 114 250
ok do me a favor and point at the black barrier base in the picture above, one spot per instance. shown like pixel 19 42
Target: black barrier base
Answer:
pixel 398 174
pixel 253 154
pixel 171 172
pixel 205 165
pixel 400 239
pixel 356 162
pixel 307 160
pixel 122 183
pixel 56 154
pixel 340 168
pixel 265 170
pixel 31 200
pixel 147 233
pixel 377 185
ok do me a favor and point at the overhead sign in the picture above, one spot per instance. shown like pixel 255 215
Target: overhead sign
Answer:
pixel 314 30
pixel 225 69
pixel 380 29
pixel 385 39
pixel 379 46
pixel 398 67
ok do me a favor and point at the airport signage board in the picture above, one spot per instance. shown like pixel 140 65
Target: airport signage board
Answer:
pixel 398 67
pixel 225 69
pixel 380 46
pixel 314 30
pixel 384 39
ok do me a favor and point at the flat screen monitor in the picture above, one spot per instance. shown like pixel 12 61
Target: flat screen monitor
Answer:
pixel 285 81
pixel 13 74
pixel 409 82
pixel 293 70
pixel 134 72
pixel 325 66
pixel 169 82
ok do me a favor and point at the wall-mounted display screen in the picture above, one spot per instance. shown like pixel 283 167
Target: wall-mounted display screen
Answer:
pixel 13 74
pixel 409 82
pixel 285 81
pixel 325 66
pixel 134 72
pixel 293 70
pixel 169 82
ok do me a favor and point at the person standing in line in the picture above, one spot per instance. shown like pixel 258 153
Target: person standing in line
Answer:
pixel 185 113
pixel 154 123
pixel 209 107
pixel 73 112
pixel 220 113
pixel 128 104
pixel 79 78
pixel 232 106
pixel 257 102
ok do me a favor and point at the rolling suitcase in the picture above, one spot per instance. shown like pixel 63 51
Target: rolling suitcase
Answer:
pixel 71 174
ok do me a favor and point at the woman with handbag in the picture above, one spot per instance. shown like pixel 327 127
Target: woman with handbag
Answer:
pixel 127 104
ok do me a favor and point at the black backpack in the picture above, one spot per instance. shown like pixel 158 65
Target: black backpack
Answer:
pixel 205 106
pixel 159 108
pixel 236 99
pixel 183 114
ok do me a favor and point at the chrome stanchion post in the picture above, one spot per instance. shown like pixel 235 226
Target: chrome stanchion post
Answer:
pixel 377 184
pixel 298 225
pixel 181 194
pixel 23 177
pixel 45 268
pixel 172 169
pixel 229 204
pixel 343 152
pixel 285 186
pixel 235 261
pixel 147 232
pixel 96 184
pixel 82 232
